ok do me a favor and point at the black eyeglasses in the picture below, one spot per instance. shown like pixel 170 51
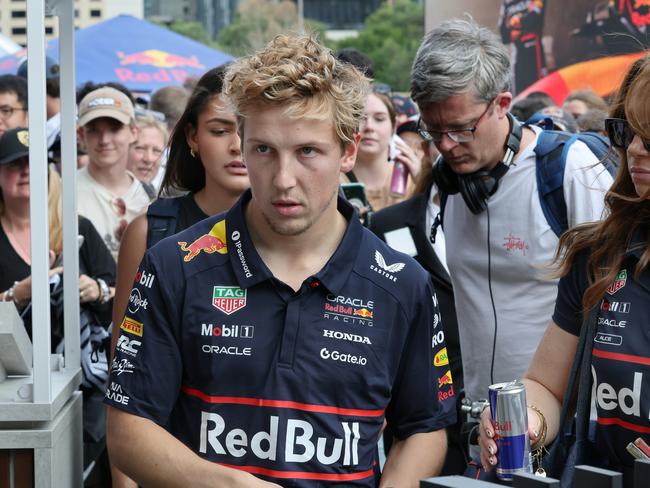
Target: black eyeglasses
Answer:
pixel 621 134
pixel 457 135
pixel 6 111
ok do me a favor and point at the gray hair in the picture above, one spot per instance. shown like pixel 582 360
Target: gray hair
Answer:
pixel 457 56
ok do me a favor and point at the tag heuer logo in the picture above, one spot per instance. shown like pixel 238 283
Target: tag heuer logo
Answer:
pixel 228 299
pixel 619 282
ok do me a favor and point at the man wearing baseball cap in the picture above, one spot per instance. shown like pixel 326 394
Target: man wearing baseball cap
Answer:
pixel 109 195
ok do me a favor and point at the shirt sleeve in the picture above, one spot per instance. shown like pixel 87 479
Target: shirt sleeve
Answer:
pixel 423 397
pixel 97 259
pixel 585 183
pixel 146 370
pixel 568 305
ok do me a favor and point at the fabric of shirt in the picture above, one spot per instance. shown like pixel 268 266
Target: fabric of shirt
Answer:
pixel 99 205
pixel 521 247
pixel 94 261
pixel 620 364
pixel 290 386
pixel 189 213
pixel 12 266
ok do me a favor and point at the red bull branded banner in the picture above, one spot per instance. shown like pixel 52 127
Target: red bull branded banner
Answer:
pixel 170 67
pixel 142 56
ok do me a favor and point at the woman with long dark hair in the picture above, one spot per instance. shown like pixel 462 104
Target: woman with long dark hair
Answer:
pixel 605 285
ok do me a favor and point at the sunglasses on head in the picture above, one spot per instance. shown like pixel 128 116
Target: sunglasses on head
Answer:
pixel 621 134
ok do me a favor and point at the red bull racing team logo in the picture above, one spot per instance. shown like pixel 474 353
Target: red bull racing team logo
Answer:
pixel 228 299
pixel 159 59
pixel 445 379
pixel 349 310
pixel 214 241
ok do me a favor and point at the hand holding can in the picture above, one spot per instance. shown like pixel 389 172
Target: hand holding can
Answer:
pixel 486 440
pixel 509 416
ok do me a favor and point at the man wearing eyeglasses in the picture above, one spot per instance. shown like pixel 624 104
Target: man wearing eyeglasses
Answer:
pixel 498 241
pixel 13 103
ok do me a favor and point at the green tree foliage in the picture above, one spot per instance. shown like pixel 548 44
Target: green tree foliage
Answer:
pixel 193 30
pixel 258 21
pixel 391 37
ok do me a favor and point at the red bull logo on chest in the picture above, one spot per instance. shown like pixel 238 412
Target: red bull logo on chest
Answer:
pixel 214 241
pixel 228 299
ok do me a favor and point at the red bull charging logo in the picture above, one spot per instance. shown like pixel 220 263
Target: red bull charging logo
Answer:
pixel 445 379
pixel 159 59
pixel 214 241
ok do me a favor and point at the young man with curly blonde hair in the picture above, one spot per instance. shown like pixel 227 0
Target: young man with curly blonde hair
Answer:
pixel 273 345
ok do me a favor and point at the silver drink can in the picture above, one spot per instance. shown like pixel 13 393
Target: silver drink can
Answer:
pixel 510 419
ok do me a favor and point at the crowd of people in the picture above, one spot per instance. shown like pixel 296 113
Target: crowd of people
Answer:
pixel 292 265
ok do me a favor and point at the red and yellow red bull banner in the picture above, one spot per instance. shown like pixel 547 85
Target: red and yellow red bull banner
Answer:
pixel 603 75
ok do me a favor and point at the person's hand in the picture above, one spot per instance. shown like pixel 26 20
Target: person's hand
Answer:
pixel 486 440
pixel 246 480
pixel 23 292
pixel 486 436
pixel 88 289
pixel 408 157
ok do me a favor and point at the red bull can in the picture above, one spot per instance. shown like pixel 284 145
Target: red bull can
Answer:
pixel 510 419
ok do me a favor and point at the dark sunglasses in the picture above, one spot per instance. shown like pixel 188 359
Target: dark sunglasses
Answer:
pixel 621 134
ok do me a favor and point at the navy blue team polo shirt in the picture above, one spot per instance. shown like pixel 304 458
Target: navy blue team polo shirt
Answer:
pixel 291 386
pixel 621 351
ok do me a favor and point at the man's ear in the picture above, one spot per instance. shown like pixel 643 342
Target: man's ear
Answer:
pixel 503 102
pixel 350 154
pixel 81 135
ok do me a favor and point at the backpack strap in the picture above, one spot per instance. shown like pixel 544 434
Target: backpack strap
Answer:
pixel 601 147
pixel 437 220
pixel 161 219
pixel 551 151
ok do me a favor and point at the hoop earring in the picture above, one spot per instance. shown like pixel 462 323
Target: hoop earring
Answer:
pixel 192 153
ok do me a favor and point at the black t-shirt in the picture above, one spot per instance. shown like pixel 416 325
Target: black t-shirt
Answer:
pixel 621 353
pixel 12 266
pixel 189 213
pixel 95 260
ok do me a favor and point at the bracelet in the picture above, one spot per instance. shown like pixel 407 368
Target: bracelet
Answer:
pixel 104 292
pixel 11 291
pixel 541 438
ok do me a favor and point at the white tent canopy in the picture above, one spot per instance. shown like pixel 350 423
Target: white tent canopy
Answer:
pixel 7 46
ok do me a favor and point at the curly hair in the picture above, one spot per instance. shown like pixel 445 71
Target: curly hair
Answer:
pixel 302 76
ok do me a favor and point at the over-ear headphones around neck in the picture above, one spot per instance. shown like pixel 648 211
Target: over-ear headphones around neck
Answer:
pixel 476 188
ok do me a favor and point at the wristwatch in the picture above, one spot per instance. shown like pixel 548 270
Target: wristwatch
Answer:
pixel 104 292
